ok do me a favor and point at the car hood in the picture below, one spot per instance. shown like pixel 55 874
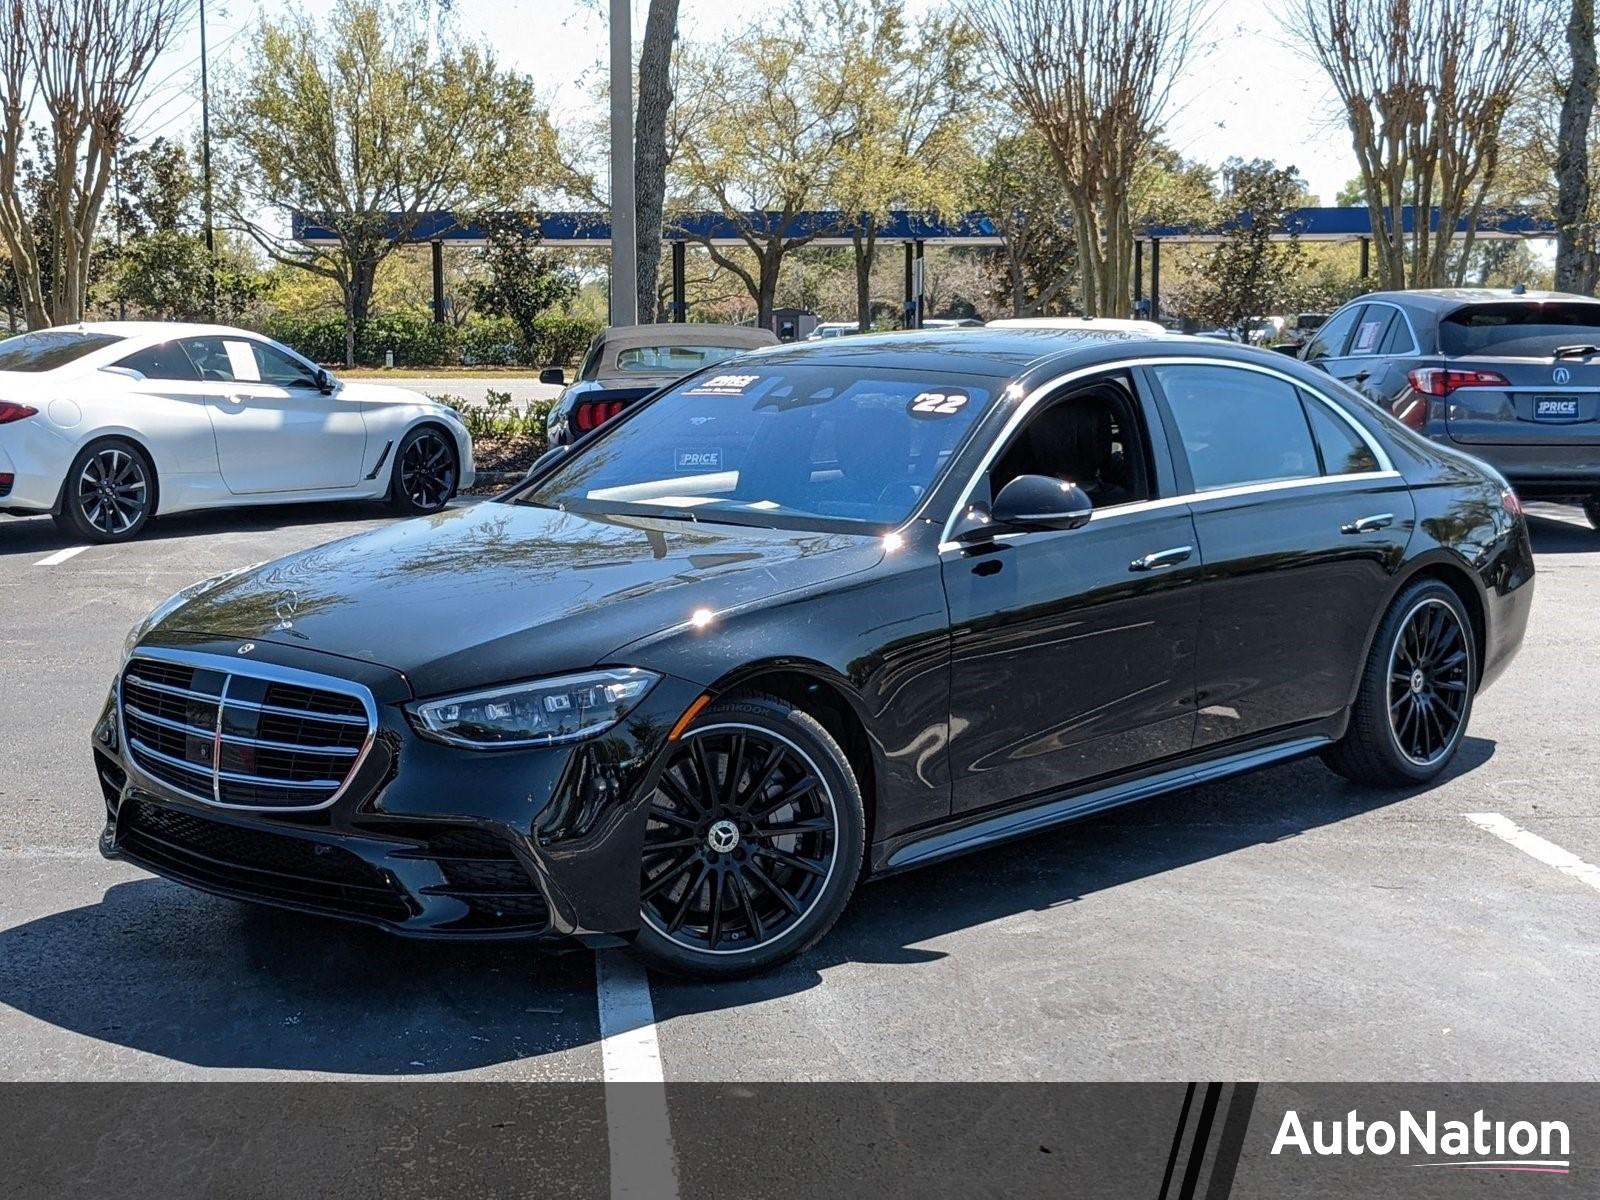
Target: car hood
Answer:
pixel 495 592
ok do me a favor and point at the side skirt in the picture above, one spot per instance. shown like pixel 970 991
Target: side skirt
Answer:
pixel 988 831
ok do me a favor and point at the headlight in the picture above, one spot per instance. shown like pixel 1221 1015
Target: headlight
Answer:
pixel 175 601
pixel 539 713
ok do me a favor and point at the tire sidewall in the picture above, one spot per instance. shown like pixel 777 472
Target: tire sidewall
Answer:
pixel 397 495
pixel 1423 592
pixel 794 725
pixel 71 511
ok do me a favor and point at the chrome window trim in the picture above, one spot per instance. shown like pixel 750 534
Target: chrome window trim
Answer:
pixel 1033 398
pixel 1416 342
pixel 249 669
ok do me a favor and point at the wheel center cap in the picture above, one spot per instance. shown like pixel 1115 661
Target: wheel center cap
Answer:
pixel 1418 681
pixel 723 836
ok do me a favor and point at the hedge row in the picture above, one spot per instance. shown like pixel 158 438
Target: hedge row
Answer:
pixel 419 342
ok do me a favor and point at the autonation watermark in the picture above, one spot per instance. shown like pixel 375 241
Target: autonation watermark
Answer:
pixel 1478 1144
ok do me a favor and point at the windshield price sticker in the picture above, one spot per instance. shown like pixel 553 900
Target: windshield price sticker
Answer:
pixel 697 459
pixel 937 404
pixel 723 385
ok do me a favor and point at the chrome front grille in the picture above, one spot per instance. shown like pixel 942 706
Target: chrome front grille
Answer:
pixel 243 734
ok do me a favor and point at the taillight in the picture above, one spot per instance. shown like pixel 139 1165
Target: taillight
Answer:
pixel 6 481
pixel 10 412
pixel 1509 502
pixel 591 414
pixel 1441 381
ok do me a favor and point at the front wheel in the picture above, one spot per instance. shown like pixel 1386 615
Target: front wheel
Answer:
pixel 1415 698
pixel 109 494
pixel 753 842
pixel 425 472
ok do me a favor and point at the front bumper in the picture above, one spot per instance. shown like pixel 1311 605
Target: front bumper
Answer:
pixel 426 839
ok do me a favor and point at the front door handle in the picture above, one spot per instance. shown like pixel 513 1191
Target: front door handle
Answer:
pixel 1361 377
pixel 1369 524
pixel 1161 558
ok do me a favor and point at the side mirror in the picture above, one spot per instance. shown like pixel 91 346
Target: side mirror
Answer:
pixel 554 376
pixel 1040 502
pixel 325 381
pixel 1028 502
pixel 546 460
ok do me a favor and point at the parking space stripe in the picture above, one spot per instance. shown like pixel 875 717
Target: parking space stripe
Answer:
pixel 60 556
pixel 637 1125
pixel 1537 847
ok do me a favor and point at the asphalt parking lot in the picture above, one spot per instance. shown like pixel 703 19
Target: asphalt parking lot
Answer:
pixel 1286 925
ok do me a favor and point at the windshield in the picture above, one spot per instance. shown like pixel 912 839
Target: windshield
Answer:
pixel 48 349
pixel 672 360
pixel 765 442
pixel 1525 330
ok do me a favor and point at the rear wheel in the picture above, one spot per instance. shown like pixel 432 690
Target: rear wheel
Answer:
pixel 1591 509
pixel 109 494
pixel 753 842
pixel 1416 695
pixel 425 472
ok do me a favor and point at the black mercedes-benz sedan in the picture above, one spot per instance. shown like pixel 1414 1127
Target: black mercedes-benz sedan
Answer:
pixel 811 616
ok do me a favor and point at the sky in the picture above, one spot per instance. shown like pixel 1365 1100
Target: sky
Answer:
pixel 1246 93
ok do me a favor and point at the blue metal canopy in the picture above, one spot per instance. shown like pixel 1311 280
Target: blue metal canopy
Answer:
pixel 834 228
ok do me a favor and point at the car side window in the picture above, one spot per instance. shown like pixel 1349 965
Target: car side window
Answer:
pixel 216 365
pixel 1238 427
pixel 1330 339
pixel 1092 436
pixel 278 369
pixel 166 361
pixel 1371 329
pixel 1398 340
pixel 1343 451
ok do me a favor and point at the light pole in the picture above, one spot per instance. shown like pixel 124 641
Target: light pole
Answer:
pixel 624 218
pixel 205 169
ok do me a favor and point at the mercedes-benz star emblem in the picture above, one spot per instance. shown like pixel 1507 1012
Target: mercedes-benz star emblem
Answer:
pixel 247 647
pixel 723 836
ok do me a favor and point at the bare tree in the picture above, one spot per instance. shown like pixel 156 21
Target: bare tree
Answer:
pixel 1094 78
pixel 80 66
pixel 1575 249
pixel 1425 86
pixel 650 145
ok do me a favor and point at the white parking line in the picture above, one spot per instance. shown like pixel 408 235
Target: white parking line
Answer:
pixel 1537 847
pixel 637 1125
pixel 60 556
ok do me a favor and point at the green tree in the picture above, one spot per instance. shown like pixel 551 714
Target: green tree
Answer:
pixel 766 151
pixel 1253 268
pixel 364 124
pixel 1015 184
pixel 905 93
pixel 523 281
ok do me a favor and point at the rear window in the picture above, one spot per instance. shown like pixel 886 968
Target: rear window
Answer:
pixel 1525 330
pixel 49 349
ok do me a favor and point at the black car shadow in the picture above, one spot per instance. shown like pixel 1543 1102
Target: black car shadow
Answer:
pixel 1553 535
pixel 164 971
pixel 25 536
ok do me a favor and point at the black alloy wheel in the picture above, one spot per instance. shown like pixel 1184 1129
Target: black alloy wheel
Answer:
pixel 752 843
pixel 425 472
pixel 1415 697
pixel 1430 676
pixel 109 494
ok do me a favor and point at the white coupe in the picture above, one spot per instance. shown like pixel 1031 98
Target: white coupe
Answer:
pixel 107 424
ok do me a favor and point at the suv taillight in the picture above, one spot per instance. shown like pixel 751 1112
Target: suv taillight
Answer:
pixel 10 412
pixel 1441 381
pixel 591 414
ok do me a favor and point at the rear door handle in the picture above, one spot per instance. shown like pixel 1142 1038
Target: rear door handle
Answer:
pixel 1369 524
pixel 1161 558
